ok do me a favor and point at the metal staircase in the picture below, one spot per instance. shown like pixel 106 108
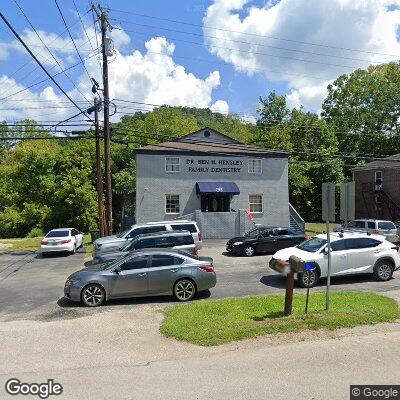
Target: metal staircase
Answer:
pixel 297 223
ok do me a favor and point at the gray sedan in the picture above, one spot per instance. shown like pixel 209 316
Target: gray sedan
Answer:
pixel 142 273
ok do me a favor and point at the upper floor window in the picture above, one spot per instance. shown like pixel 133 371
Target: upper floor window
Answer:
pixel 378 180
pixel 172 164
pixel 255 166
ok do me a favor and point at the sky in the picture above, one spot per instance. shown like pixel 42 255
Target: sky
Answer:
pixel 222 54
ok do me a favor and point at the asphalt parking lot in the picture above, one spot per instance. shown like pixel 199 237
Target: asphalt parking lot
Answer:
pixel 31 287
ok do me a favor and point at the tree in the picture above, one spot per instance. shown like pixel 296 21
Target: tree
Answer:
pixel 364 109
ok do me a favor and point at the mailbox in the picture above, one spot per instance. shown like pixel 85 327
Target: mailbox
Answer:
pixel 296 264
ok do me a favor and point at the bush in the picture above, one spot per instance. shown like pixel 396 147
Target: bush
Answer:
pixel 35 232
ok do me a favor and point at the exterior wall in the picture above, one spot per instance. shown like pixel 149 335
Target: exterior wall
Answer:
pixel 215 137
pixel 365 205
pixel 153 183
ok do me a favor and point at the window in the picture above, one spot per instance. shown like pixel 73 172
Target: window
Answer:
pixel 378 180
pixel 386 225
pixel 172 164
pixel 282 232
pixel 356 224
pixel 361 243
pixel 57 234
pixel 144 243
pixel 338 245
pixel 134 263
pixel 182 240
pixel 164 242
pixel 161 260
pixel 146 229
pixel 312 245
pixel 172 203
pixel 371 225
pixel 378 202
pixel 255 166
pixel 255 203
pixel 185 227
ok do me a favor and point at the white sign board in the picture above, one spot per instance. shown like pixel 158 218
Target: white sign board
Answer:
pixel 328 202
pixel 347 201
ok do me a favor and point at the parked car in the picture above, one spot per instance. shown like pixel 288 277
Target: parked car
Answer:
pixel 381 227
pixel 352 253
pixel 142 273
pixel 178 240
pixel 264 240
pixel 61 240
pixel 117 241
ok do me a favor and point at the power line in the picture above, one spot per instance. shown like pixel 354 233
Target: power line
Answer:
pixel 73 41
pixel 45 45
pixel 244 42
pixel 43 68
pixel 255 34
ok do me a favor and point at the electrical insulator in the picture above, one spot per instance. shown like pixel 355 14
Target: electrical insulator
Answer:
pixel 109 47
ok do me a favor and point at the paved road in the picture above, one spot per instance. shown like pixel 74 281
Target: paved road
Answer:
pixel 32 286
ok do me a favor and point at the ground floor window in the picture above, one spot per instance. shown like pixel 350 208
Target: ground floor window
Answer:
pixel 172 203
pixel 255 203
pixel 215 203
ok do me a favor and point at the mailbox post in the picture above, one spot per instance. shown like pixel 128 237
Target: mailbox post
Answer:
pixel 296 265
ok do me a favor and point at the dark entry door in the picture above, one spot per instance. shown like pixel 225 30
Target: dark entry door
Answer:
pixel 215 203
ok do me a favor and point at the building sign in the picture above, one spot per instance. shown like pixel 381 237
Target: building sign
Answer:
pixel 207 166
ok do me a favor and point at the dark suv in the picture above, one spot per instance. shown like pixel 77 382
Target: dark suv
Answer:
pixel 264 240
pixel 178 240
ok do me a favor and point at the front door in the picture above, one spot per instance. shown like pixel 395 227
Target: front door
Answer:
pixel 338 257
pixel 133 278
pixel 215 203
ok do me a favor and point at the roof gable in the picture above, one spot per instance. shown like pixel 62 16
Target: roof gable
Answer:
pixel 207 135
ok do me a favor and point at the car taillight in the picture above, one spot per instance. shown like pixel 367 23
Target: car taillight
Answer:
pixel 305 237
pixel 44 241
pixel 207 268
pixel 200 237
pixel 65 241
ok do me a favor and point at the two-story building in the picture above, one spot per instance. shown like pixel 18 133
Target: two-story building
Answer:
pixel 211 178
pixel 377 187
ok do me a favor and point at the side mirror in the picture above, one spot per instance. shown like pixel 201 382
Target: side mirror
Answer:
pixel 117 270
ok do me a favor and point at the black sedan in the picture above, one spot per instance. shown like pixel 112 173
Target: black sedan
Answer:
pixel 264 240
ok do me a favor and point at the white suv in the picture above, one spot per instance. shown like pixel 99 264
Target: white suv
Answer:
pixel 114 242
pixel 352 253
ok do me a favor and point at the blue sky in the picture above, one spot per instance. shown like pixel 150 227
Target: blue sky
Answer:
pixel 295 47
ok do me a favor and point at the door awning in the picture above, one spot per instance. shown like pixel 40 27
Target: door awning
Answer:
pixel 217 188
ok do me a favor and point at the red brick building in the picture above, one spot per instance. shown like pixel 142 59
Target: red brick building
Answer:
pixel 378 189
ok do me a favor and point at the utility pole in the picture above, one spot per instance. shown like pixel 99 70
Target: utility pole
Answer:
pixel 98 168
pixel 107 153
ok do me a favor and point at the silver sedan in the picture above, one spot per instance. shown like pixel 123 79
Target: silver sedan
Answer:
pixel 142 273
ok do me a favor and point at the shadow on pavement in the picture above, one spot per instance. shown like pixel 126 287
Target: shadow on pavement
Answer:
pixel 64 302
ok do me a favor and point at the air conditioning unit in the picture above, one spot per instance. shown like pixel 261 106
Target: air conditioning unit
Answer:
pixel 378 188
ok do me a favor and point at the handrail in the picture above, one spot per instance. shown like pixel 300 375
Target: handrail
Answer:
pixel 297 218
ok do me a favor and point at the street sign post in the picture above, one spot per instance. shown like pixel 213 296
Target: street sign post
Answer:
pixel 347 202
pixel 328 215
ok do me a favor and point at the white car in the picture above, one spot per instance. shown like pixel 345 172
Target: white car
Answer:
pixel 61 240
pixel 351 253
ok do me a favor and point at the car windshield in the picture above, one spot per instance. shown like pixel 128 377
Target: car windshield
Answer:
pixel 253 233
pixel 123 233
pixel 57 234
pixel 111 263
pixel 312 245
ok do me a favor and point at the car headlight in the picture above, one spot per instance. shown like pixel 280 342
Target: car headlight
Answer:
pixel 70 282
pixel 237 243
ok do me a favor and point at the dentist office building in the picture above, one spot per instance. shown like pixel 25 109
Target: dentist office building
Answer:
pixel 216 181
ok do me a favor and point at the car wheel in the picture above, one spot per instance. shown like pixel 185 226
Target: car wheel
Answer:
pixel 308 279
pixel 249 251
pixel 184 290
pixel 74 249
pixel 383 270
pixel 93 295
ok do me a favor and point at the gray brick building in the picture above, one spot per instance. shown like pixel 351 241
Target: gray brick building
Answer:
pixel 213 179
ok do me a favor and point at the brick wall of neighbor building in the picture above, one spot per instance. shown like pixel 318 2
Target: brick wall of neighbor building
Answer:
pixel 390 185
pixel 152 183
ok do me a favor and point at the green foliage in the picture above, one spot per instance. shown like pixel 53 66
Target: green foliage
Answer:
pixel 35 232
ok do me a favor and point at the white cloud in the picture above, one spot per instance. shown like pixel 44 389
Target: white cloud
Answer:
pixel 150 77
pixel 220 106
pixel 367 25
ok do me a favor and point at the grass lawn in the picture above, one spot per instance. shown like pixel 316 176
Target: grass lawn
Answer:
pixel 33 244
pixel 210 323
pixel 313 228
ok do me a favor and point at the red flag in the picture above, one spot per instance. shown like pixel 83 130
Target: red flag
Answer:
pixel 249 215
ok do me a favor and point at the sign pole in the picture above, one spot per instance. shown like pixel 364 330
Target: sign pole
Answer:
pixel 328 237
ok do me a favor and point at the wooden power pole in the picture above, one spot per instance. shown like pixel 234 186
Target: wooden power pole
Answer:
pixel 107 153
pixel 99 171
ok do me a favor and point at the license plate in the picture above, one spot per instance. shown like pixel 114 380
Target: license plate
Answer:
pixel 53 243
